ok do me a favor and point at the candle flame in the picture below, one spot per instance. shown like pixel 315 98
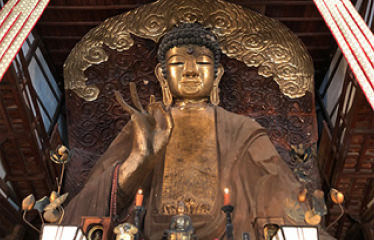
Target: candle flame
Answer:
pixel 140 191
pixel 226 190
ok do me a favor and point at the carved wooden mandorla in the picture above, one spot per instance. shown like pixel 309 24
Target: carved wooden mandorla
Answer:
pixel 244 35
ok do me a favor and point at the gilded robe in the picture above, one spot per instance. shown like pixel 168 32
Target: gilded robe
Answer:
pixel 248 164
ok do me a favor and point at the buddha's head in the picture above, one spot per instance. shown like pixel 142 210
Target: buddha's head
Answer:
pixel 189 67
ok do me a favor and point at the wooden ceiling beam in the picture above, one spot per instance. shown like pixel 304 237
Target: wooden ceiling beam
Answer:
pixel 93 7
pixel 318 47
pixel 275 3
pixel 25 178
pixel 313 34
pixel 131 6
pixel 299 19
pixel 54 37
pixel 70 23
pixel 358 175
pixel 60 51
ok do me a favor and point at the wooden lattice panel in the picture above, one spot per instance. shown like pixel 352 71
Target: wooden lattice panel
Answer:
pixel 350 160
pixel 23 159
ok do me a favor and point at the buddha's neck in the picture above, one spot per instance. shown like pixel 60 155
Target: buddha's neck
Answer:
pixel 191 103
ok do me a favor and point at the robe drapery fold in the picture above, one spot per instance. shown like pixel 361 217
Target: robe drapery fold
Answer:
pixel 260 181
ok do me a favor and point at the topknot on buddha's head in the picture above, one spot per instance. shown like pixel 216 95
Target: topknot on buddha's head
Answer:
pixel 185 34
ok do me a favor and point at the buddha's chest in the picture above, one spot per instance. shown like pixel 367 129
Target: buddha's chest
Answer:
pixel 190 171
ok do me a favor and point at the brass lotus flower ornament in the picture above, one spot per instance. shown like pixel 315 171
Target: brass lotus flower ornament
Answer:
pixel 50 208
pixel 302 195
pixel 338 198
pixel 28 202
pixel 312 218
pixel 61 156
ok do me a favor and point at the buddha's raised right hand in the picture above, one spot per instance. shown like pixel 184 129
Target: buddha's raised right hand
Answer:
pixel 151 131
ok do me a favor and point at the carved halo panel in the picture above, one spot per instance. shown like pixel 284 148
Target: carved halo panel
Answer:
pixel 244 35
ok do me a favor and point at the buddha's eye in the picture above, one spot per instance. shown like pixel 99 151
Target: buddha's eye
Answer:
pixel 204 60
pixel 203 63
pixel 176 63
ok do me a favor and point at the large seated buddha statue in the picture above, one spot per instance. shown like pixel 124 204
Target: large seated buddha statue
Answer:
pixel 188 149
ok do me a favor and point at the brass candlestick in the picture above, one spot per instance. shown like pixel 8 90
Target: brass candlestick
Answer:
pixel 227 209
pixel 138 212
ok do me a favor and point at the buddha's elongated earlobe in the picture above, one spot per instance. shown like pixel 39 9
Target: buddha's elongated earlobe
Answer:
pixel 214 94
pixel 167 98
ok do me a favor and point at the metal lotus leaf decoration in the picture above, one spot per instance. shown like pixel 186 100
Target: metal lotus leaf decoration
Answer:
pixel 57 202
pixel 244 35
pixel 52 215
pixel 41 204
pixel 62 155
pixel 53 212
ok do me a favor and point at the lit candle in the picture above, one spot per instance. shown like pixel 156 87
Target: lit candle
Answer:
pixel 139 198
pixel 226 197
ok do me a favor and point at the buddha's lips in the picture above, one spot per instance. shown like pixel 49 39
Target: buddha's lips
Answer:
pixel 191 84
pixel 190 81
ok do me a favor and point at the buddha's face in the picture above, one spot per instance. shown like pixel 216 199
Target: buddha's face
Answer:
pixel 190 71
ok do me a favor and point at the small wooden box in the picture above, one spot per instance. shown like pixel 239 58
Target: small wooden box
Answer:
pixel 105 222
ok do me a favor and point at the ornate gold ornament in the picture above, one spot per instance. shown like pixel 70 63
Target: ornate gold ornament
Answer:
pixel 244 35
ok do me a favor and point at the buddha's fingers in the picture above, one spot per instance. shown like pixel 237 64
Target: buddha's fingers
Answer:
pixel 169 122
pixel 135 98
pixel 123 104
pixel 152 99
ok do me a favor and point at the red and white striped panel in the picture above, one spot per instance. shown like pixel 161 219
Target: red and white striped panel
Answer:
pixel 354 39
pixel 17 19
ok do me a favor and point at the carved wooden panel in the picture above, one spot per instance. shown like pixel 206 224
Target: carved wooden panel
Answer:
pixel 93 125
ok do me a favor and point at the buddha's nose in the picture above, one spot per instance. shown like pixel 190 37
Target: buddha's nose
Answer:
pixel 190 69
pixel 190 74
